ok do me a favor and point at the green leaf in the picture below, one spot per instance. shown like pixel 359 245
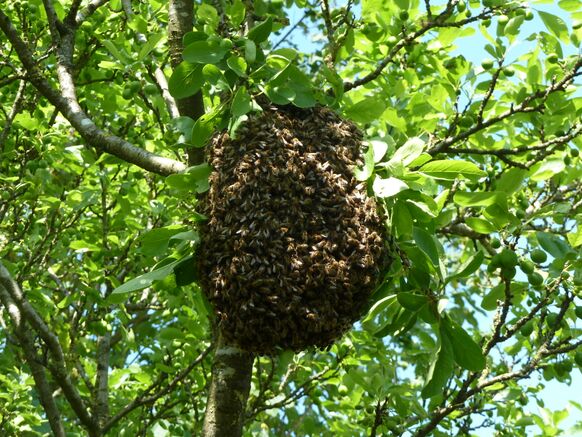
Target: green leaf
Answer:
pixel 191 37
pixel 469 266
pixel 366 110
pixel 241 103
pixel 184 126
pixel 186 236
pixel 511 180
pixel 411 301
pixel 556 25
pixel 280 95
pixel 426 242
pixel 489 302
pixel 170 333
pixel 147 279
pixel 301 85
pixel 368 169
pixel 185 271
pixel 575 238
pixel 213 74
pixel 452 169
pixel 380 149
pixel 236 13
pixel 115 52
pixel 82 246
pixel 546 169
pixel 334 80
pixel 465 198
pixel 570 5
pixel 407 153
pixel 388 187
pixel 151 44
pixel 512 27
pixel 250 51
pixel 379 307
pixel 401 323
pixel 155 241
pixel 194 179
pixel 204 127
pixel 499 215
pixel 392 117
pixel 238 65
pixel 26 121
pixel 480 225
pixel 440 370
pixel 205 52
pixel 207 14
pixel 467 353
pixel 186 80
pixel 261 31
pixel 553 244
pixel 288 53
pixel 402 219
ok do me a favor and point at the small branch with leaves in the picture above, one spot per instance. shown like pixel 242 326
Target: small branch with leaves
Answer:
pixel 66 101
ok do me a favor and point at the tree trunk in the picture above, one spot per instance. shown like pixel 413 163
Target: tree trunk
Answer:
pixel 229 390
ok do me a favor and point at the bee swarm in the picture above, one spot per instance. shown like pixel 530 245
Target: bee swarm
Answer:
pixel 293 245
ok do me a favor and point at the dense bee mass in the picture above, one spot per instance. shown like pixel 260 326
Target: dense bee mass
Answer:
pixel 293 245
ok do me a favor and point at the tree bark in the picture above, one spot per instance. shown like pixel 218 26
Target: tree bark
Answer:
pixel 229 390
pixel 180 22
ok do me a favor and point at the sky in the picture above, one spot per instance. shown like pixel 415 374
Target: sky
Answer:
pixel 556 395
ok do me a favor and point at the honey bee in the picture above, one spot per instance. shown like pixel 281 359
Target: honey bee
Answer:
pixel 292 244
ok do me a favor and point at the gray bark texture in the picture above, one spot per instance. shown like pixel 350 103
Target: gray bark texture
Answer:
pixel 229 391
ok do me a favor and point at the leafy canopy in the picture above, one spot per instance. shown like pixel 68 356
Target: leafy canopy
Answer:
pixel 474 161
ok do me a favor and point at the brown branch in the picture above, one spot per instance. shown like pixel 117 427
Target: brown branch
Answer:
pixel 70 18
pixel 428 9
pixel 87 11
pixel 101 402
pixel 489 92
pixel 162 82
pixel 500 318
pixel 549 145
pixel 147 397
pixel 526 370
pixel 406 40
pixel 27 343
pixel 527 105
pixel 229 390
pixel 379 411
pixel 289 32
pixel 68 105
pixel 16 108
pixel 462 230
pixel 180 18
pixel 59 367
pixel 299 391
pixel 330 58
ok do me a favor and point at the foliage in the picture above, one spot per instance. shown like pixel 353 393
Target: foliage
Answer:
pixel 475 163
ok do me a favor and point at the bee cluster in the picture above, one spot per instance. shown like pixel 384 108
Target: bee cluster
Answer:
pixel 293 245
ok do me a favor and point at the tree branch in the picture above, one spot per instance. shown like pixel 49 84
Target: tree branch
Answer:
pixel 435 22
pixel 16 108
pixel 163 84
pixel 87 11
pixel 527 105
pixel 68 105
pixel 27 343
pixel 229 390
pixel 180 19
pixel 101 405
pixel 146 398
pixel 58 368
pixel 543 351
